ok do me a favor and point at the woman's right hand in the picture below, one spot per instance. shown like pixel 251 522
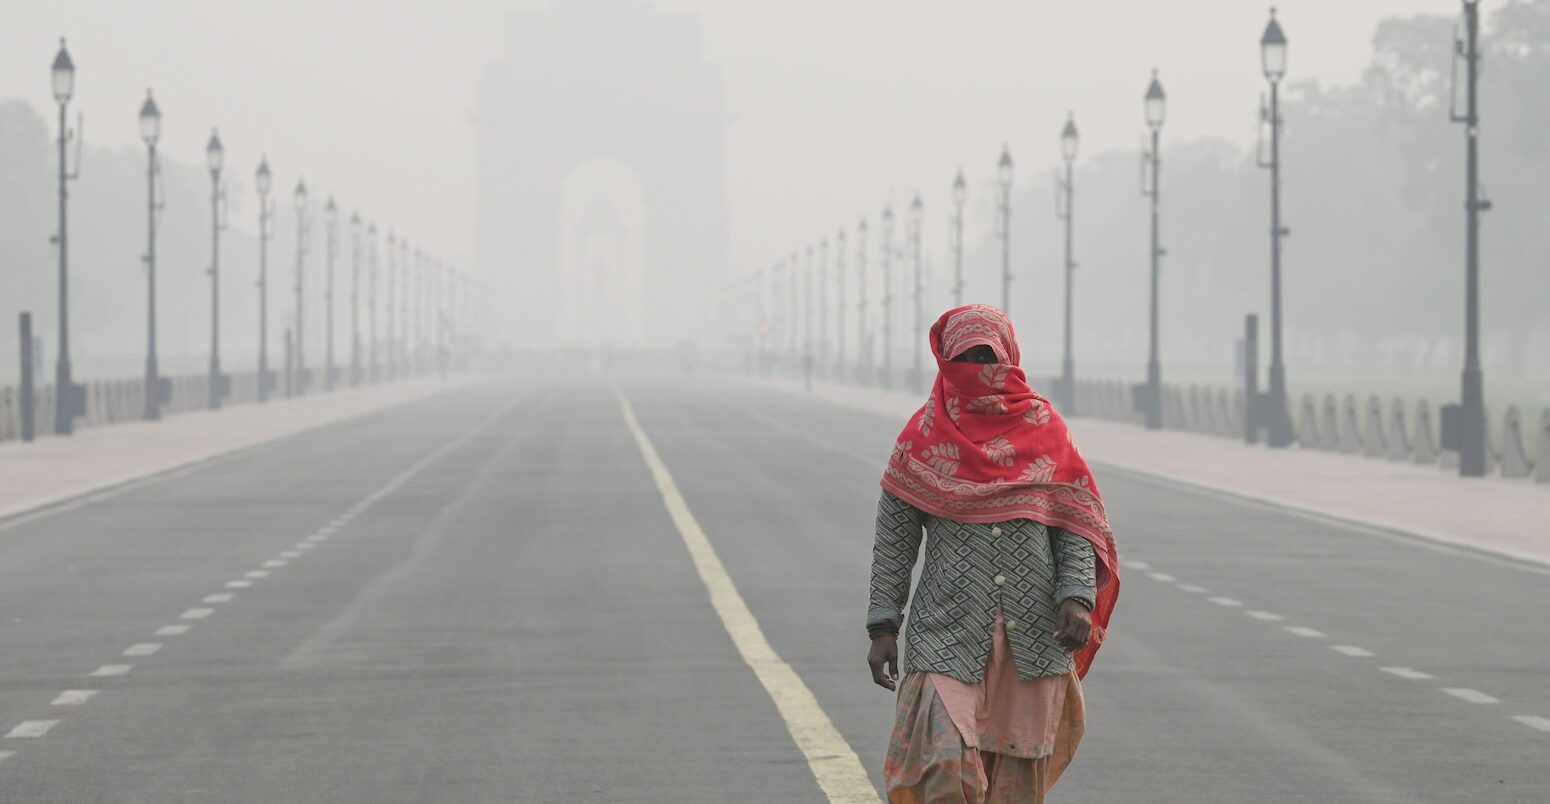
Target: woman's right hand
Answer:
pixel 883 658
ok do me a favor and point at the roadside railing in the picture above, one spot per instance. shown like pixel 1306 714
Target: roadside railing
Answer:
pixel 1395 431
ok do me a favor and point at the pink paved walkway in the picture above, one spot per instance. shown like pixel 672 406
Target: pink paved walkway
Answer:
pixel 52 469
pixel 1506 517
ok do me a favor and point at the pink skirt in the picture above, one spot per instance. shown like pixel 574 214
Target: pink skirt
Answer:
pixel 1002 740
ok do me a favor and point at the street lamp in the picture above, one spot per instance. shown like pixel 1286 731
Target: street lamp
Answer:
pixel 1156 106
pixel 150 131
pixel 917 215
pixel 839 284
pixel 887 252
pixel 1004 220
pixel 823 308
pixel 1471 425
pixel 390 306
pixel 69 398
pixel 1063 211
pixel 406 301
pixel 355 298
pixel 215 159
pixel 863 344
pixel 960 195
pixel 371 301
pixel 1270 411
pixel 265 212
pixel 807 314
pixel 331 227
pixel 796 324
pixel 299 382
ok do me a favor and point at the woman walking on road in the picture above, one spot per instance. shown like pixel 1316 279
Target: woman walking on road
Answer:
pixel 1020 577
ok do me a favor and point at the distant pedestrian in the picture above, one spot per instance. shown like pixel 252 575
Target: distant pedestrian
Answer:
pixel 1019 579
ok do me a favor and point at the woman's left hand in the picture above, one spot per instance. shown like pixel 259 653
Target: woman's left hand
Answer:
pixel 1075 625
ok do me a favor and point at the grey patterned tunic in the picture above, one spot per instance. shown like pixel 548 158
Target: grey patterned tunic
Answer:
pixel 1020 564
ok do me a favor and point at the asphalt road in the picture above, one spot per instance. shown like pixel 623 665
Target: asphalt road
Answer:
pixel 482 597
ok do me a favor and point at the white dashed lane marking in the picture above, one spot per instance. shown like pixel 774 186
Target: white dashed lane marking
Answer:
pixel 197 614
pixel 113 670
pixel 223 597
pixel 32 728
pixel 1465 694
pixel 173 630
pixel 238 584
pixel 4 755
pixel 258 574
pixel 291 554
pixel 142 649
pixel 274 563
pixel 1469 695
pixel 74 697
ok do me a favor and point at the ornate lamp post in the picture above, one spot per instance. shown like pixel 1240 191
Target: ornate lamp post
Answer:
pixel 392 290
pixel 355 298
pixel 371 302
pixel 69 398
pixel 887 252
pixel 1004 220
pixel 299 381
pixel 1068 146
pixel 960 194
pixel 150 131
pixel 863 343
pixel 823 307
pixel 839 285
pixel 265 212
pixel 331 226
pixel 917 216
pixel 409 261
pixel 1272 409
pixel 1473 461
pixel 215 158
pixel 1156 106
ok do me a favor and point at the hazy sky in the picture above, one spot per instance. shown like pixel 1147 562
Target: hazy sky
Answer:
pixel 835 103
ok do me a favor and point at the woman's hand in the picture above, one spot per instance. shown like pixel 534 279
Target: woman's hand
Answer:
pixel 1076 625
pixel 884 653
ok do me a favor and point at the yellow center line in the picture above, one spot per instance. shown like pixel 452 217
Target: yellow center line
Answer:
pixel 833 762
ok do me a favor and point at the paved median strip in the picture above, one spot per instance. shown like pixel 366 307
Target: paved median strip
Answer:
pixel 833 762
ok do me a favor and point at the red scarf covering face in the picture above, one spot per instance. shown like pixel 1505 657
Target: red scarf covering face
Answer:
pixel 987 448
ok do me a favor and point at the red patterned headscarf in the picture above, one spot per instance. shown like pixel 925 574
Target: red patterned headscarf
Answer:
pixel 987 448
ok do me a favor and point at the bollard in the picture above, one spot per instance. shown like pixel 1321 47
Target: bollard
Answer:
pixel 1350 430
pixel 1542 449
pixel 1423 447
pixel 1515 460
pixel 1329 426
pixel 1399 435
pixel 1308 423
pixel 1374 440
